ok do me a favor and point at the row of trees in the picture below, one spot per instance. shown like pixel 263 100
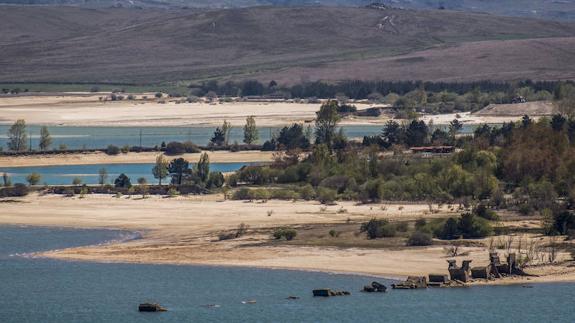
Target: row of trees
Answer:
pixel 413 134
pixel 182 174
pixel 18 137
pixel 357 89
pixel 221 135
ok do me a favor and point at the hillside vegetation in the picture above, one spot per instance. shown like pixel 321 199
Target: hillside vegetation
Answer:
pixel 68 44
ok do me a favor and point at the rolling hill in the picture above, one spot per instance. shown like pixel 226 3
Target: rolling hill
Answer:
pixel 72 44
pixel 543 9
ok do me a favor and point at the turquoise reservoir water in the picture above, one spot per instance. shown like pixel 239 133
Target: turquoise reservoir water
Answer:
pixel 41 290
pixel 101 137
pixel 64 175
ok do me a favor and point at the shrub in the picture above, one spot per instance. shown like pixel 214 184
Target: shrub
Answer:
pixel 419 238
pixel 468 226
pixel 525 209
pixel 402 226
pixel 112 150
pixel 215 180
pixel 420 224
pixel 175 148
pixel 326 195
pixel 449 231
pixel 287 233
pixel 378 229
pixel 307 192
pixel 191 148
pixel 17 190
pixel 334 234
pixel 33 179
pixel 284 194
pixel 483 212
pixel 123 181
pixel 173 192
pixel 472 226
pixel 242 194
pixel 241 230
pixel 261 194
pixel 125 149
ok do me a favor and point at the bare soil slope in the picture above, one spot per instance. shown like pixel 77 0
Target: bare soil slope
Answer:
pixel 67 44
pixel 540 108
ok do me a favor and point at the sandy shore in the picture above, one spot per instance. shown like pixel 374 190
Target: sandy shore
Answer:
pixel 88 110
pixel 130 158
pixel 184 230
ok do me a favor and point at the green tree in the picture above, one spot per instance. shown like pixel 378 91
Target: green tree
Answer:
pixel 450 230
pixel 102 176
pixel 177 168
pixel 33 179
pixel 17 138
pixel 76 181
pixel 454 127
pixel 160 170
pixel 45 139
pixel 219 137
pixel 251 134
pixel 123 181
pixel 392 133
pixel 326 121
pixel 203 168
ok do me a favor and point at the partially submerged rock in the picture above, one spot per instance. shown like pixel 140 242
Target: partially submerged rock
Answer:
pixel 151 307
pixel 375 287
pixel 412 282
pixel 326 292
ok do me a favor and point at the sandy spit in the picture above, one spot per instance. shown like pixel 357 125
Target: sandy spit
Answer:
pixel 130 158
pixel 184 231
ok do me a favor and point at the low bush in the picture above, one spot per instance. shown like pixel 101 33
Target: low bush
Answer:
pixel 284 194
pixel 483 212
pixel 287 233
pixel 112 150
pixel 17 190
pixel 419 238
pixel 175 148
pixel 173 192
pixel 376 228
pixel 326 195
pixel 191 148
pixel 307 192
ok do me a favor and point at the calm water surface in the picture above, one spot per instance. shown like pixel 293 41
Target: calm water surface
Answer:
pixel 64 175
pixel 40 290
pixel 101 137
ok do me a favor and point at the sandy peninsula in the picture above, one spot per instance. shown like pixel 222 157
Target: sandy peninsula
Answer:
pixel 88 110
pixel 94 158
pixel 185 230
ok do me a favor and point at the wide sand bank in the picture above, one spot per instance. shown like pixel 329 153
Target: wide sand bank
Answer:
pixel 185 230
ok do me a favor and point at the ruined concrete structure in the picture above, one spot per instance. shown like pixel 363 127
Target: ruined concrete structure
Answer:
pixel 462 274
pixel 412 282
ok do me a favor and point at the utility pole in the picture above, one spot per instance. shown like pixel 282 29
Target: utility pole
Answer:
pixel 30 137
pixel 140 139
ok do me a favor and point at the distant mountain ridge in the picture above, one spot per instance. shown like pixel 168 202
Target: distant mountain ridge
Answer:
pixel 543 9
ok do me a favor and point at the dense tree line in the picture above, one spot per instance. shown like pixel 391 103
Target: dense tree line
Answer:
pixel 356 89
